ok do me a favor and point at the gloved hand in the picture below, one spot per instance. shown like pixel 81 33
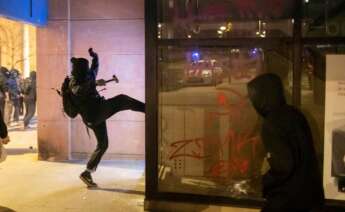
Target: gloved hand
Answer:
pixel 265 165
pixel 101 82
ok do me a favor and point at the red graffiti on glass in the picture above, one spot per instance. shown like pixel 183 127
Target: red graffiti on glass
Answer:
pixel 180 145
pixel 231 109
pixel 234 106
pixel 237 142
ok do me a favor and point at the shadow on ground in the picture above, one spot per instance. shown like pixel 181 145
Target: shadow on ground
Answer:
pixel 19 151
pixel 125 191
pixel 4 209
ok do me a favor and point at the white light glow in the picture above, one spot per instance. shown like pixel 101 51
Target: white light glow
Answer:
pixel 223 28
pixel 26 51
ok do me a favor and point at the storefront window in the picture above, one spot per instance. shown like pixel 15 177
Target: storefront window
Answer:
pixel 209 140
pixel 313 91
pixel 323 86
pixel 225 19
pixel 324 18
pixel 207 130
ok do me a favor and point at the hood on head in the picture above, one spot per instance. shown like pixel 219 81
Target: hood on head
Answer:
pixel 80 67
pixel 266 93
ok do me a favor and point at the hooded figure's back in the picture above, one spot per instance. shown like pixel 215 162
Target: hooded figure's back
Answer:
pixel 294 180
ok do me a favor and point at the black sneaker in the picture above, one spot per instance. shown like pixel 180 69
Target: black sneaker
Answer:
pixel 87 179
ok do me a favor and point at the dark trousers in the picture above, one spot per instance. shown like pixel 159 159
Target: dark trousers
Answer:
pixel 2 107
pixel 21 106
pixel 30 107
pixel 15 103
pixel 107 109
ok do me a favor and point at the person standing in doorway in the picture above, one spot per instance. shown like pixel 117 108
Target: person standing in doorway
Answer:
pixel 293 182
pixel 30 98
pixel 93 108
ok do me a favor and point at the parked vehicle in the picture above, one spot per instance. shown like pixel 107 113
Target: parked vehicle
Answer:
pixel 203 72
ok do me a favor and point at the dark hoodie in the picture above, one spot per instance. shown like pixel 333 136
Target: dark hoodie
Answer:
pixel 294 180
pixel 83 87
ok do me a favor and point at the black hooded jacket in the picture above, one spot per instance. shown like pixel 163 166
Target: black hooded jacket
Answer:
pixel 294 179
pixel 83 87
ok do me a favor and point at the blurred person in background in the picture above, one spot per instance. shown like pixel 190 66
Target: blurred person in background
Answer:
pixel 4 139
pixel 20 81
pixel 14 93
pixel 30 97
pixel 3 89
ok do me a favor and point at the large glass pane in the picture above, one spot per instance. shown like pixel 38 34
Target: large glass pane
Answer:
pixel 209 139
pixel 324 18
pixel 225 18
pixel 323 100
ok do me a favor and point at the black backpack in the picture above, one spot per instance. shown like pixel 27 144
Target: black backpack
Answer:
pixel 67 99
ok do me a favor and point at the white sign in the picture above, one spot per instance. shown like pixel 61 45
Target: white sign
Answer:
pixel 334 146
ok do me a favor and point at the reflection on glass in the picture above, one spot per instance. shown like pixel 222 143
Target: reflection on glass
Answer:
pixel 322 96
pixel 224 19
pixel 324 18
pixel 209 139
pixel 313 89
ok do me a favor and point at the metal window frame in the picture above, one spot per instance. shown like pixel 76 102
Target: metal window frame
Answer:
pixel 151 74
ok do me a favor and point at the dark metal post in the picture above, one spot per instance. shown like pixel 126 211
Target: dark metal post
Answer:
pixel 297 55
pixel 151 80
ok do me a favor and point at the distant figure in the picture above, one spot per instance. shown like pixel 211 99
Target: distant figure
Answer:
pixel 93 108
pixel 4 139
pixel 20 81
pixel 14 93
pixel 30 97
pixel 3 89
pixel 3 131
pixel 293 182
pixel 8 105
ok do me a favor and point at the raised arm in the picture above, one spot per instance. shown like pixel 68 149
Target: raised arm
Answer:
pixel 95 63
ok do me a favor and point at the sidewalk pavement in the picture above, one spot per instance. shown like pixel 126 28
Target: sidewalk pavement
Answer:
pixel 28 185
